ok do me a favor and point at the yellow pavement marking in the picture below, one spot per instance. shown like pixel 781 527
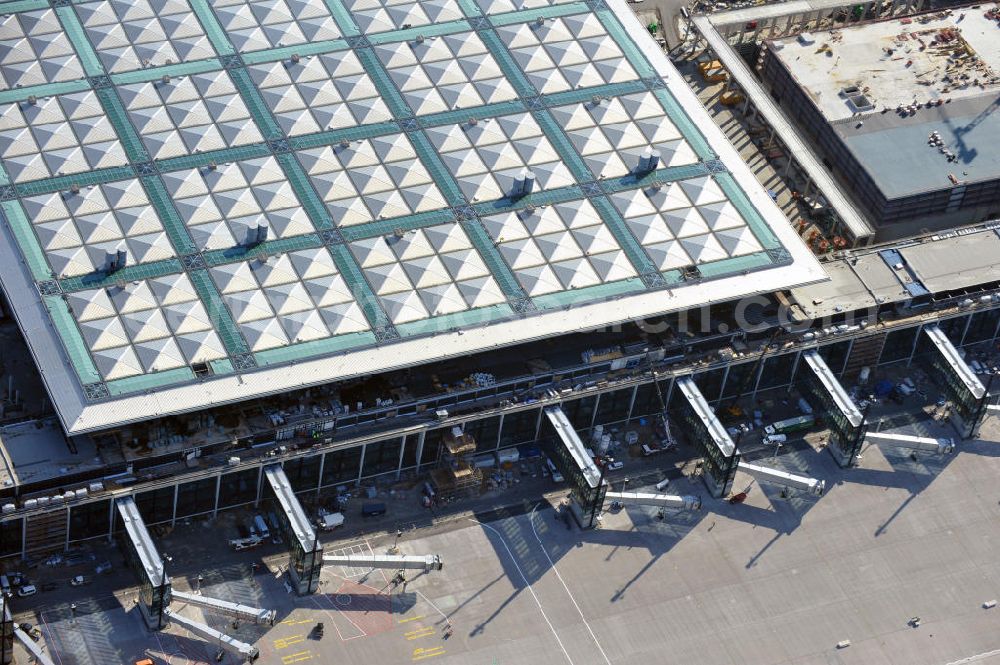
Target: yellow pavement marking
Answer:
pixel 297 657
pixel 285 642
pixel 421 654
pixel 426 631
pixel 294 622
pixel 411 619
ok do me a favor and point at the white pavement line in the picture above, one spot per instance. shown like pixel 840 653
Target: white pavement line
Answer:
pixel 528 586
pixel 436 608
pixel 48 634
pixel 333 618
pixel 978 657
pixel 531 519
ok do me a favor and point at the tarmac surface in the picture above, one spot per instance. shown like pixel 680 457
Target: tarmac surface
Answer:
pixel 773 581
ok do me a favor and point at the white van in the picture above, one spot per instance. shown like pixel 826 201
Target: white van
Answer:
pixel 508 456
pixel 262 531
pixel 239 544
pixel 662 485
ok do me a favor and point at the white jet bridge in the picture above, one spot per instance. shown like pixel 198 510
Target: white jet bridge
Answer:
pixel 925 443
pixel 426 562
pixel 957 382
pixel 144 560
pixel 226 608
pixel 247 652
pixel 685 502
pixel 304 549
pixel 36 652
pixel 574 446
pixel 845 421
pixel 783 478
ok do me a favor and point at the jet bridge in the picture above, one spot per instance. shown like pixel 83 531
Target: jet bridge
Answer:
pixel 226 608
pixel 426 563
pixel 32 647
pixel 7 627
pixel 923 443
pixel 686 502
pixel 573 460
pixel 144 560
pixel 247 652
pixel 956 380
pixel 305 550
pixel 845 422
pixel 783 478
pixel 708 436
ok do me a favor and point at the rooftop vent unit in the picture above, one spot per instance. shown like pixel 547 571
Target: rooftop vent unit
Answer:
pixel 256 235
pixel 690 273
pixel 115 260
pixel 860 103
pixel 523 184
pixel 649 160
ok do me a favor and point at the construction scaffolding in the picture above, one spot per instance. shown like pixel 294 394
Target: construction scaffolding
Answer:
pixel 459 476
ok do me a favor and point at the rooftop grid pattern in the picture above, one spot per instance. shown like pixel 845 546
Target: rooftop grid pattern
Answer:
pixel 378 143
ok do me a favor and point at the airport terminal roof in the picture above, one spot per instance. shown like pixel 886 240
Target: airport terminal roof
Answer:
pixel 941 68
pixel 868 278
pixel 960 262
pixel 328 184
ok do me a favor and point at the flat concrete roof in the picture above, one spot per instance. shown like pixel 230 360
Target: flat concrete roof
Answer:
pixel 38 450
pixel 957 263
pixel 375 168
pixel 845 292
pixel 884 282
pixel 859 78
pixel 895 273
pixel 967 127
pixel 896 62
